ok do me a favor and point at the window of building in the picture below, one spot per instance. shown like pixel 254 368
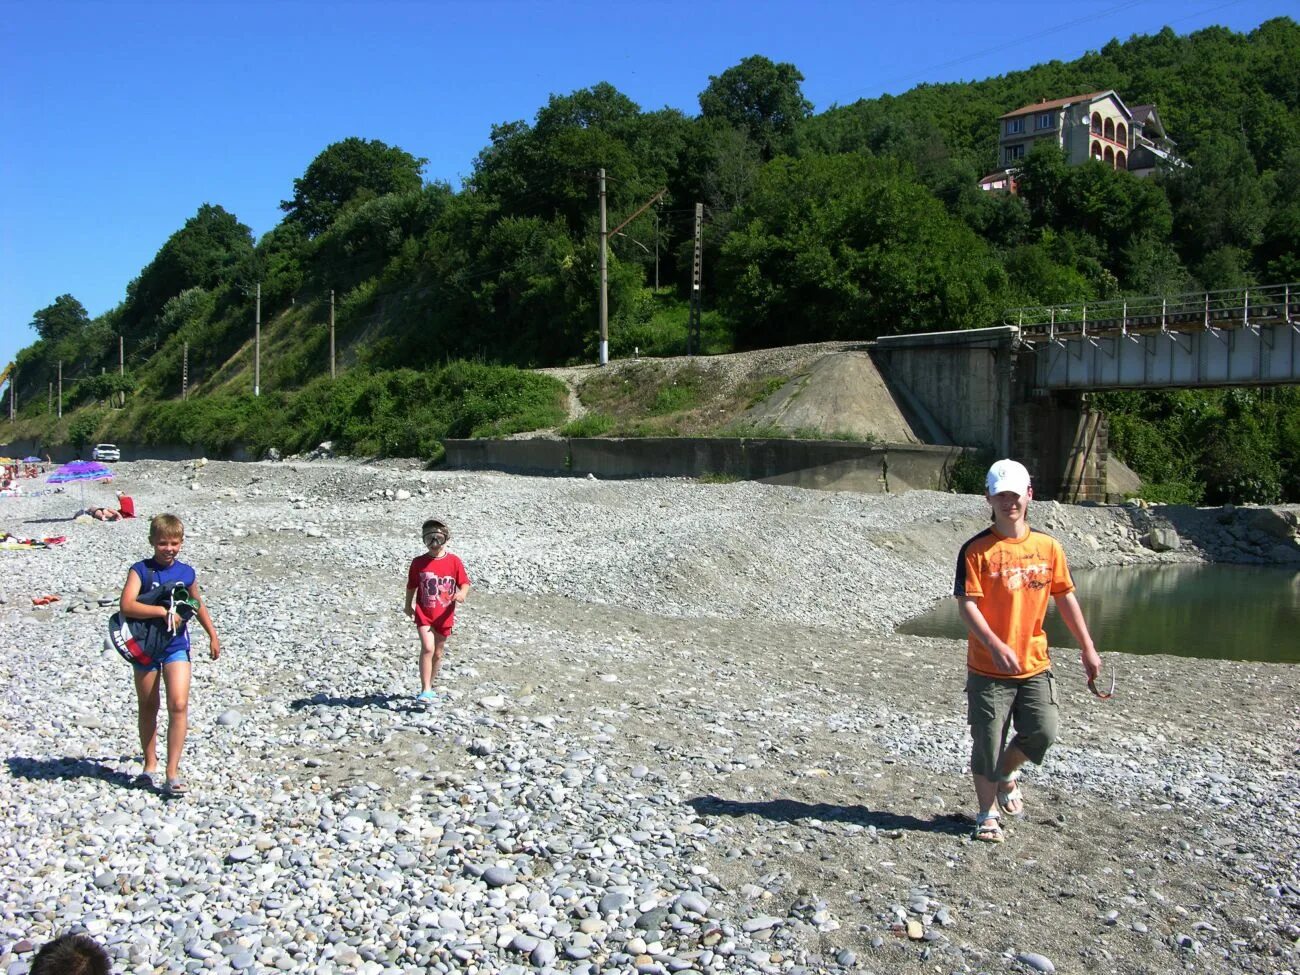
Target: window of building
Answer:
pixel 1015 125
pixel 1109 129
pixel 1015 152
pixel 1121 133
pixel 1045 120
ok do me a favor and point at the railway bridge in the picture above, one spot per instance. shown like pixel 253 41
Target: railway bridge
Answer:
pixel 1021 389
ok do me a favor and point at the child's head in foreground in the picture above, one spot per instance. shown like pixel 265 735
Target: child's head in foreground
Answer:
pixel 435 533
pixel 71 954
pixel 162 527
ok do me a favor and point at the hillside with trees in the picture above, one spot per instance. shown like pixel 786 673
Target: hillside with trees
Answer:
pixel 846 223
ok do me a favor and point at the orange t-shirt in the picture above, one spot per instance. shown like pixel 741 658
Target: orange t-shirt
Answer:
pixel 1012 579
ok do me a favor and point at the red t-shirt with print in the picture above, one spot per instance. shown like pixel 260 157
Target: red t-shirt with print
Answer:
pixel 435 582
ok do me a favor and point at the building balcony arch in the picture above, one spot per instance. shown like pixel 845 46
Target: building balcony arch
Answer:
pixel 1108 129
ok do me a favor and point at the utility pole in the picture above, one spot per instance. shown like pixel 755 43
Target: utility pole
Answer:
pixel 693 328
pixel 49 400
pixel 331 333
pixel 257 344
pixel 603 356
pixel 121 364
pixel 605 234
pixel 60 389
pixel 656 250
pixel 185 371
pixel 13 406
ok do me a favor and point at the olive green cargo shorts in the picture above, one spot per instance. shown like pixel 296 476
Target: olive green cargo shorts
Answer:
pixel 994 705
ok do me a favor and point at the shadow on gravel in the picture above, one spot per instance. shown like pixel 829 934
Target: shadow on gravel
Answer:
pixel 50 521
pixel 389 702
pixel 69 768
pixel 791 810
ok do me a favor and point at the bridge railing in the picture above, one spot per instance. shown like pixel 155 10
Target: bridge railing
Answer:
pixel 1230 308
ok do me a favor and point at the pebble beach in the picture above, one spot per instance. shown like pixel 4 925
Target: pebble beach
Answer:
pixel 675 733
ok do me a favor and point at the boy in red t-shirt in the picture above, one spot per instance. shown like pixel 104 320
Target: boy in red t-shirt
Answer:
pixel 435 584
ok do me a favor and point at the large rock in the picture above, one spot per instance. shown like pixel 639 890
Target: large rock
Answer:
pixel 1121 480
pixel 1162 538
pixel 1281 523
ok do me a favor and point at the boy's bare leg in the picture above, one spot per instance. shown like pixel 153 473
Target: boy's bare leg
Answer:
pixel 1012 759
pixel 146 702
pixel 176 677
pixel 439 644
pixel 986 789
pixel 430 652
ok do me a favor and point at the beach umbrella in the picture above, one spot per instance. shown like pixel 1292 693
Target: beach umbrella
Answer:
pixel 31 460
pixel 81 471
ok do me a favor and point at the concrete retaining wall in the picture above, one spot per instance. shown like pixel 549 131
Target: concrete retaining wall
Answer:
pixel 960 381
pixel 823 464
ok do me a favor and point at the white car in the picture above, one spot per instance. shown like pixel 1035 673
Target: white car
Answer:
pixel 106 451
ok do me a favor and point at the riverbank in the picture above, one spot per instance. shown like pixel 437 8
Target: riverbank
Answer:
pixel 678 734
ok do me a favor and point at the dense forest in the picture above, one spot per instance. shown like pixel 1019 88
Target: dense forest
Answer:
pixel 848 223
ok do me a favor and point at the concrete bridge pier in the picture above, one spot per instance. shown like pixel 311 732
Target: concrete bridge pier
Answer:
pixel 1064 442
pixel 977 388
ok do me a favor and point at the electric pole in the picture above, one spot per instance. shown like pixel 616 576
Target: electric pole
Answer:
pixel 121 364
pixel 603 356
pixel 693 328
pixel 60 389
pixel 605 234
pixel 257 344
pixel 13 409
pixel 331 333
pixel 49 400
pixel 185 371
pixel 656 250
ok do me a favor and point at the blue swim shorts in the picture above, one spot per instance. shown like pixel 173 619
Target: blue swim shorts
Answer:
pixel 173 654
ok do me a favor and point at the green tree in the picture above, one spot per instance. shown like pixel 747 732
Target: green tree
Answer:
pixel 65 318
pixel 346 173
pixel 205 253
pixel 82 429
pixel 849 247
pixel 760 97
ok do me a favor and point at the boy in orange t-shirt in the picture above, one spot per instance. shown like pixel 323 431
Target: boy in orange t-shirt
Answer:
pixel 1005 575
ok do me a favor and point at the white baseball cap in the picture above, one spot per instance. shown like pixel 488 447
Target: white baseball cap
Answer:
pixel 1008 475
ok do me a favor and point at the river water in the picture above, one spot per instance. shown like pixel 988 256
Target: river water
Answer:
pixel 1225 612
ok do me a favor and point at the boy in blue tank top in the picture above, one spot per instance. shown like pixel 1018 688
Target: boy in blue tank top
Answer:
pixel 172 665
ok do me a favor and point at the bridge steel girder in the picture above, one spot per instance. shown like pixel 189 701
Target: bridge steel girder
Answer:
pixel 1250 355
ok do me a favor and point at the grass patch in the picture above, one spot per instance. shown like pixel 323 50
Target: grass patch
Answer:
pixel 591 425
pixel 716 477
pixel 754 391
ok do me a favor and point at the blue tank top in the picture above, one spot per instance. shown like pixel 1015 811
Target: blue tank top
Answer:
pixel 152 575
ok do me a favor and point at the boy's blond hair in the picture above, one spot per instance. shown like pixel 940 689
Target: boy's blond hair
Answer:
pixel 165 526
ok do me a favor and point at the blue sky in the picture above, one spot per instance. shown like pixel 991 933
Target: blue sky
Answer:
pixel 119 118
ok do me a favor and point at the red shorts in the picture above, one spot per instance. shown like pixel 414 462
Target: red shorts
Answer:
pixel 438 618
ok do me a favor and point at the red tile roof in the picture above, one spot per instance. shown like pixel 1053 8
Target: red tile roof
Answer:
pixel 1045 106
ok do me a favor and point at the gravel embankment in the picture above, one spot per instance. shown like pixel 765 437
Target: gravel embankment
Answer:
pixel 678 734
